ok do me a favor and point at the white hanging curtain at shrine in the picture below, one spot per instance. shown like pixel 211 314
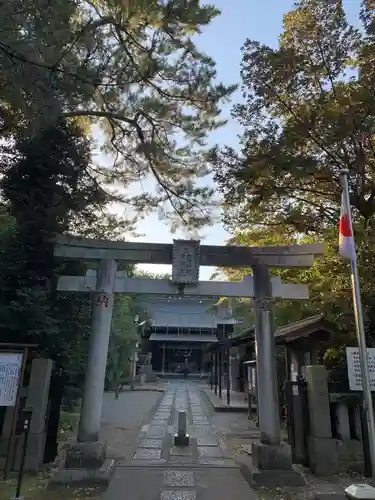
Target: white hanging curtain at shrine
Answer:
pixel 163 337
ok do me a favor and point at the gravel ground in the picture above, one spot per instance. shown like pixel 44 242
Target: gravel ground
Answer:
pixel 333 484
pixel 123 418
pixel 233 429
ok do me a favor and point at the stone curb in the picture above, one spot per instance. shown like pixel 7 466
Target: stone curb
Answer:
pixel 329 496
pixel 223 408
pixel 140 389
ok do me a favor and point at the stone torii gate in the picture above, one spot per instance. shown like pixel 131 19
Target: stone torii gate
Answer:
pixel 186 256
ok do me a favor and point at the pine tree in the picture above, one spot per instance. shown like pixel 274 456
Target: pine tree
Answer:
pixel 133 69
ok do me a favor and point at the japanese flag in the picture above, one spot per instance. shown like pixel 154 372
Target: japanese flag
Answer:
pixel 346 239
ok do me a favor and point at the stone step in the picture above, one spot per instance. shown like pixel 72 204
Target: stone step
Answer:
pixel 179 484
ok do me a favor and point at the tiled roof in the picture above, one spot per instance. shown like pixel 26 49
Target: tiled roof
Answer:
pixel 290 332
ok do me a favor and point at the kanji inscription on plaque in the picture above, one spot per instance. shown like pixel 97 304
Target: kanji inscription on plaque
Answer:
pixel 354 368
pixel 185 267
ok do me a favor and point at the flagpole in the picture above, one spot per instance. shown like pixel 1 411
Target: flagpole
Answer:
pixel 358 315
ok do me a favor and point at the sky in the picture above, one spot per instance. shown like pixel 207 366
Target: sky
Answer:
pixel 259 20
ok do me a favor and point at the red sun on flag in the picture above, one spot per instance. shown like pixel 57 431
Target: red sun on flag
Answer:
pixel 345 226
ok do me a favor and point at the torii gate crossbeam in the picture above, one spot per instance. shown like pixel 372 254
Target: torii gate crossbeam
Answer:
pixel 139 286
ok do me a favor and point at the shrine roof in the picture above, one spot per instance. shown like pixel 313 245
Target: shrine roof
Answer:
pixel 303 329
pixel 183 313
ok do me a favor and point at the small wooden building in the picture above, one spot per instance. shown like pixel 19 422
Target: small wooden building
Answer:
pixel 300 343
pixel 305 343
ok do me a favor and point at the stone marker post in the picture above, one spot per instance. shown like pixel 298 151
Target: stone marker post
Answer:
pixel 37 401
pixel 181 427
pixel 181 438
pixel 322 448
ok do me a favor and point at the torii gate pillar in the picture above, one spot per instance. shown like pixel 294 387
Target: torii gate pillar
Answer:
pixel 102 307
pixel 271 458
pixel 88 452
pixel 268 406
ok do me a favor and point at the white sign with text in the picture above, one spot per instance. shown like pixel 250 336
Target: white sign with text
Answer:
pixel 10 372
pixel 354 368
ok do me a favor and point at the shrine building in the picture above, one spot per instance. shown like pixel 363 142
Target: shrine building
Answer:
pixel 183 327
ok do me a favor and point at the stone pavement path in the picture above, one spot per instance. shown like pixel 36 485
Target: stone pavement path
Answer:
pixel 162 471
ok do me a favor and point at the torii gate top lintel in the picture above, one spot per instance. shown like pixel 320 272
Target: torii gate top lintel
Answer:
pixel 291 256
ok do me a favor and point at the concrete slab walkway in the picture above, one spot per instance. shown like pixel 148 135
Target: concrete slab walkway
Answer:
pixel 161 471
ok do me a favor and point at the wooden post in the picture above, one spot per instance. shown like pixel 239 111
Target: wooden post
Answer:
pixel 133 367
pixel 216 360
pixel 211 370
pixel 220 370
pixel 228 375
pixel 163 360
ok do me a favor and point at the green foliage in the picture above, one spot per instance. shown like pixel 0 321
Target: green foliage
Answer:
pixel 131 68
pixel 328 281
pixel 49 184
pixel 308 111
pixel 46 184
pixel 48 190
pixel 123 321
pixel 155 276
pixel 123 340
